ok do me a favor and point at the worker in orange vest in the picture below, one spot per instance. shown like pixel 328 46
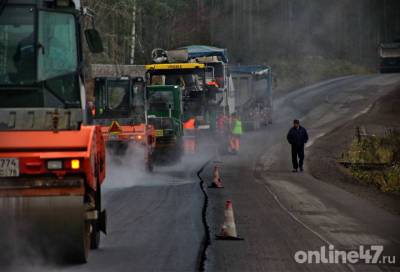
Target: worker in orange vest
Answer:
pixel 190 135
pixel 190 124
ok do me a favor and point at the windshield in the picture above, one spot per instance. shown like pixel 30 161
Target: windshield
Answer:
pixel 112 96
pixel 17 51
pixel 118 98
pixel 190 79
pixel 161 123
pixel 57 45
pixel 161 101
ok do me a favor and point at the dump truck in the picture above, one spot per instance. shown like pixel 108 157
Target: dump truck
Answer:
pixel 389 57
pixel 52 164
pixel 165 114
pixel 119 108
pixel 253 94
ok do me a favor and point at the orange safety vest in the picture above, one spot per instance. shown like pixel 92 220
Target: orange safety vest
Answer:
pixel 190 124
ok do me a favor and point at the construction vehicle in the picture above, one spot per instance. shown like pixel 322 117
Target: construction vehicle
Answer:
pixel 253 94
pixel 165 114
pixel 202 76
pixel 201 72
pixel 389 57
pixel 52 164
pixel 187 79
pixel 119 109
pixel 219 91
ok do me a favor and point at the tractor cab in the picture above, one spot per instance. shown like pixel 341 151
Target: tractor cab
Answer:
pixel 119 109
pixel 120 99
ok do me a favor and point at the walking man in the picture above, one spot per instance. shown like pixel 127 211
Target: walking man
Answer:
pixel 297 137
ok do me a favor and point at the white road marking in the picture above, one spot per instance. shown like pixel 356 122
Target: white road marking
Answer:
pixel 294 217
pixel 312 141
pixel 367 109
pixel 322 134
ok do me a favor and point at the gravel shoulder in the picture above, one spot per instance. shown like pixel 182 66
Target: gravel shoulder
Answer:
pixel 323 154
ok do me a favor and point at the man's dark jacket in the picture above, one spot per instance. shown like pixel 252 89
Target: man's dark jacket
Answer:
pixel 297 137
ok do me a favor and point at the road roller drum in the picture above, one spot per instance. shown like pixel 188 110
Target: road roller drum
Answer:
pixel 52 227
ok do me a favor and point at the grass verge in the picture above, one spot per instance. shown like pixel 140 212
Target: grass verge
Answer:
pixel 376 160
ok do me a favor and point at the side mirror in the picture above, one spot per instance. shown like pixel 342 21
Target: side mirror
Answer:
pixel 93 40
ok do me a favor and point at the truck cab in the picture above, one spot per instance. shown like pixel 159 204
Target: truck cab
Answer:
pixel 389 57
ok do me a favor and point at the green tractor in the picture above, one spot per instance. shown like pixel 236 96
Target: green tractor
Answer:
pixel 164 108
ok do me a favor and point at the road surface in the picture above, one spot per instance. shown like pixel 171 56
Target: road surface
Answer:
pixel 155 221
pixel 279 212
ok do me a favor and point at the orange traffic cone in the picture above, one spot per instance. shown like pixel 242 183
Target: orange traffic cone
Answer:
pixel 217 181
pixel 228 230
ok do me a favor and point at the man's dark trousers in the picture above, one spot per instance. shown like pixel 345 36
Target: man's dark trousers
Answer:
pixel 297 151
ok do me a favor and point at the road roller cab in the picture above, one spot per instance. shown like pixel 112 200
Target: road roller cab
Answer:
pixel 52 164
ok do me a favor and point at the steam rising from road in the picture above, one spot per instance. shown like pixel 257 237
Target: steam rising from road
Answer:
pixel 125 170
pixel 129 169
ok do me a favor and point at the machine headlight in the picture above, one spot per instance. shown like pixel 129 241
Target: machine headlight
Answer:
pixel 75 164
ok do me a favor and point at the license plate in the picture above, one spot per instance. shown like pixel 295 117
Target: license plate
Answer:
pixel 159 133
pixel 9 167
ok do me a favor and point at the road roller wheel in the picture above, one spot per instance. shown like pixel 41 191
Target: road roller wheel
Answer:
pixel 95 233
pixel 84 251
pixel 79 253
pixel 95 236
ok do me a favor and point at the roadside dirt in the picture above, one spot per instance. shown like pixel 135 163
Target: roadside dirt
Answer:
pixel 322 156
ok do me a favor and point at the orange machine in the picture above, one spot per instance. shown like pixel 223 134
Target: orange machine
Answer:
pixel 119 109
pixel 52 164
